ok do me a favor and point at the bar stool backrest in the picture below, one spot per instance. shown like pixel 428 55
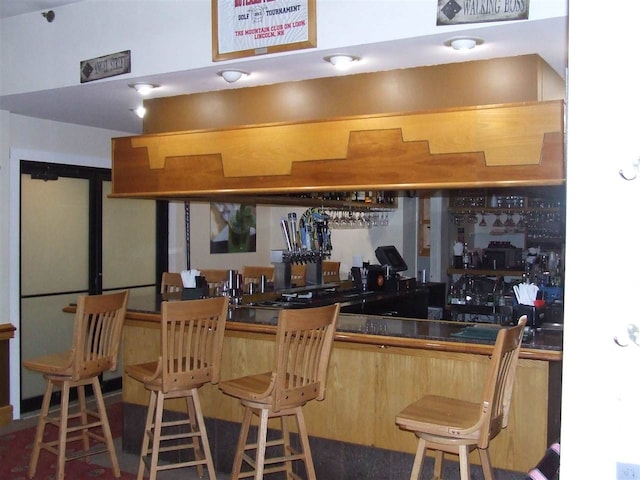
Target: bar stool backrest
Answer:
pixel 171 283
pixel 496 398
pixel 251 274
pixel 303 347
pixel 214 278
pixel 330 272
pixel 191 338
pixel 96 333
pixel 299 274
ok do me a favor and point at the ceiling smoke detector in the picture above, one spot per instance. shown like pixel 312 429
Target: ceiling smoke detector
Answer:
pixel 50 15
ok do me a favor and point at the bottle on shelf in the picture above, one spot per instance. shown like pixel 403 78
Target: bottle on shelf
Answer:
pixel 466 257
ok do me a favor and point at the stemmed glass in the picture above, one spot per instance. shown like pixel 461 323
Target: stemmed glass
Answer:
pixel 498 223
pixel 483 222
pixel 509 221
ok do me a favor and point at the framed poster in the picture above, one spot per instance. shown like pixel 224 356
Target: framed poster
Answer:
pixel 233 228
pixel 245 28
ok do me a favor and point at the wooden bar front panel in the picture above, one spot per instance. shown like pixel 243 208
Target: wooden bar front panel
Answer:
pixel 368 385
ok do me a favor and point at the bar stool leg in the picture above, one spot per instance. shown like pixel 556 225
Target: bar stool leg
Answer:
pixel 242 444
pixel 82 403
pixel 146 437
pixel 62 431
pixel 195 439
pixel 157 432
pixel 286 444
pixel 42 421
pixel 419 458
pixel 106 428
pixel 486 463
pixel 304 441
pixel 204 439
pixel 463 451
pixel 262 443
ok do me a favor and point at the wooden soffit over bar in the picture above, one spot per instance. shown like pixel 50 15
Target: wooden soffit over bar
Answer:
pixel 498 145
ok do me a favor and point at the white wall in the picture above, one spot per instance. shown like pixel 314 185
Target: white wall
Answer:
pixel 175 35
pixel 346 243
pixel 600 391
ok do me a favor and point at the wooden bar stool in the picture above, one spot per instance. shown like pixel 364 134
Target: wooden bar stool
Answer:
pixel 303 346
pixel 171 283
pixel 214 278
pixel 459 426
pixel 191 335
pixel 96 339
pixel 298 274
pixel 330 272
pixel 251 274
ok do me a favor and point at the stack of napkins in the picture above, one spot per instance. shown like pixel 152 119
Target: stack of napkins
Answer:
pixel 526 293
pixel 189 278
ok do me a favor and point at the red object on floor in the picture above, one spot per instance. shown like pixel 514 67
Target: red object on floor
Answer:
pixel 15 452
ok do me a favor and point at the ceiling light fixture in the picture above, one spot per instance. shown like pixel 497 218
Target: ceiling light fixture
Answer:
pixel 341 61
pixel 232 76
pixel 463 43
pixel 139 111
pixel 143 88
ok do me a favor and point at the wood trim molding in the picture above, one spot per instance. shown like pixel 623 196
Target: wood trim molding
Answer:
pixel 6 414
pixel 500 145
pixel 6 331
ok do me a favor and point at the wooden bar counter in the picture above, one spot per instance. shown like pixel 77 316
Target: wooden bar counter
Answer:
pixel 6 409
pixel 378 366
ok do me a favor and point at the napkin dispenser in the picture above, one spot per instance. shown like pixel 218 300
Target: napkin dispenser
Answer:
pixel 201 290
pixel 535 315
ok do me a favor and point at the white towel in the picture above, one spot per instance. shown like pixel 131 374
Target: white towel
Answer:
pixel 189 278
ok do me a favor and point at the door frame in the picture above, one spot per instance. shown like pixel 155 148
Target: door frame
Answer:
pixel 47 171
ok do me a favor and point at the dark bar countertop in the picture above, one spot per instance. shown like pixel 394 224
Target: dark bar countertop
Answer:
pixel 259 314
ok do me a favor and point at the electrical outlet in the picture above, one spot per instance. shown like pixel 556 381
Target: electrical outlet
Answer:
pixel 627 471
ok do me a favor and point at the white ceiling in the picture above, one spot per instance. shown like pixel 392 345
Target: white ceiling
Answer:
pixel 107 104
pixel 11 8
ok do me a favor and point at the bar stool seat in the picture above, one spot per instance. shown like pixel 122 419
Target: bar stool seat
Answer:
pixel 303 345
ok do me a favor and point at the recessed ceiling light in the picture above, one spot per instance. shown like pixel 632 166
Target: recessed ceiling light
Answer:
pixel 463 43
pixel 232 75
pixel 143 88
pixel 341 60
pixel 139 111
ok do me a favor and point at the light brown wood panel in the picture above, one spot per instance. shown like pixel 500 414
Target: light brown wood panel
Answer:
pixel 523 78
pixel 516 144
pixel 6 409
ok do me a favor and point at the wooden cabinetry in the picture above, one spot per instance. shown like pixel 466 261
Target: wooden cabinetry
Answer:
pixel 517 233
pixel 538 213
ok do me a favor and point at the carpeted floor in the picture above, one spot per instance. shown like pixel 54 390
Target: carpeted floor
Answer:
pixel 16 440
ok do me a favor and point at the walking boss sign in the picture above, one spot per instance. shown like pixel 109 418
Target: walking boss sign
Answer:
pixel 455 12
